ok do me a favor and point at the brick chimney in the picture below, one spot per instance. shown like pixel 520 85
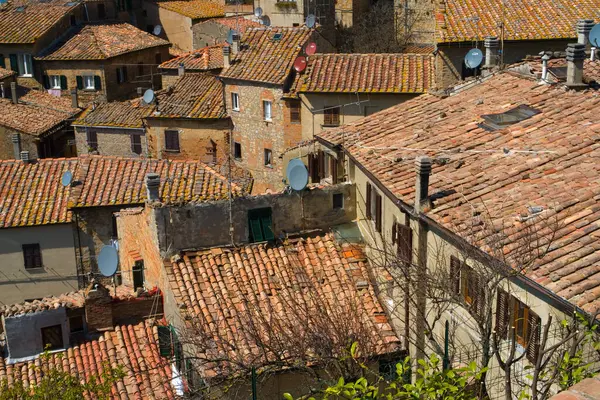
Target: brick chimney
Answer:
pixel 575 57
pixel 152 185
pixel 226 57
pixel 584 26
pixel 24 156
pixel 235 44
pixel 98 308
pixel 16 141
pixel 74 99
pixel 491 51
pixel 180 69
pixel 13 90
pixel 423 169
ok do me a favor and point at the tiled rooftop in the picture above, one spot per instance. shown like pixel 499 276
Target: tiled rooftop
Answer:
pixel 132 347
pixel 194 95
pixel 36 113
pixel 366 73
pixel 26 25
pixel 204 59
pixel 467 20
pixel 31 194
pixel 219 287
pixel 591 69
pixel 484 180
pixel 194 9
pixel 102 41
pixel 5 73
pixel 125 114
pixel 419 49
pixel 108 181
pixel 263 58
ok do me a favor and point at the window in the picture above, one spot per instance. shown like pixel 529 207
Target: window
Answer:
pixel 25 65
pixel 101 11
pixel 55 82
pixel 140 69
pixel 511 314
pixel 32 255
pixel 500 121
pixel 331 116
pixel 237 150
pixel 268 155
pixel 122 74
pixel 338 201
pixel 235 102
pixel 469 285
pixel 373 206
pixel 92 140
pixel 138 275
pixel 76 324
pixel 88 82
pixel 259 221
pixel 52 337
pixel 402 238
pixel 172 140
pixel 295 111
pixel 115 231
pixel 136 144
pixel 267 110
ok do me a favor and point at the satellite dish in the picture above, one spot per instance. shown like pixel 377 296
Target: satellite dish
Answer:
pixel 293 162
pixel 298 177
pixel 595 36
pixel 3 1
pixel 310 49
pixel 148 96
pixel 230 36
pixel 157 30
pixel 108 260
pixel 258 12
pixel 67 177
pixel 300 64
pixel 474 58
pixel 266 21
pixel 311 20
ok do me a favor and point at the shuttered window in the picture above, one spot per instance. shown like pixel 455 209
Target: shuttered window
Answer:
pixel 32 255
pixel 378 212
pixel 172 140
pixel 92 140
pixel 402 238
pixel 331 116
pixel 260 225
pixel 468 284
pixel 368 200
pixel 136 144
pixel 52 338
pixel 295 111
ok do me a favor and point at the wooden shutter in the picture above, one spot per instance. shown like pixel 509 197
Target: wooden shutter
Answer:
pixel 404 243
pixel 321 157
pixel 267 228
pixel 97 82
pixel 255 230
pixel 79 82
pixel 378 213
pixel 502 314
pixel 455 274
pixel 534 328
pixel 63 82
pixel 479 292
pixel 368 201
pixel 46 81
pixel 395 233
pixel 334 170
pixel 14 62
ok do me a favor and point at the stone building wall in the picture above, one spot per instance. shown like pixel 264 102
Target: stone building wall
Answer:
pixel 111 142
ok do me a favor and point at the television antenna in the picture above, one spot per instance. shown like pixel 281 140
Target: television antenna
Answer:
pixel 311 20
pixel 300 64
pixel 310 49
pixel 595 36
pixel 297 174
pixel 108 261
pixel 67 176
pixel 474 58
pixel 149 96
pixel 157 30
pixel 258 12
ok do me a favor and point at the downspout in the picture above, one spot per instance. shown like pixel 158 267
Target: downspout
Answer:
pixel 80 263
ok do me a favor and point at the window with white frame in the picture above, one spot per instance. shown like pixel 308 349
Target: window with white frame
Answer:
pixel 25 65
pixel 55 82
pixel 235 101
pixel 267 110
pixel 88 82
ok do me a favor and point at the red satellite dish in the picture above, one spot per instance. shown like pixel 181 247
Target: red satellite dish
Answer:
pixel 300 64
pixel 311 49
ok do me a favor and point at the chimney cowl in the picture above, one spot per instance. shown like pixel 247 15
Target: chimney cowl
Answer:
pixel 226 57
pixel 13 90
pixel 491 42
pixel 423 165
pixel 25 156
pixel 584 26
pixel 423 169
pixel 16 138
pixel 152 185
pixel 575 57
pixel 575 51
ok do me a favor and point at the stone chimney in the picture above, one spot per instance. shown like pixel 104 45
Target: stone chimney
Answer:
pixel 491 51
pixel 16 141
pixel 98 308
pixel 2 90
pixel 152 185
pixel 226 57
pixel 180 69
pixel 575 57
pixel 25 156
pixel 584 26
pixel 423 169
pixel 13 90
pixel 74 99
pixel 235 44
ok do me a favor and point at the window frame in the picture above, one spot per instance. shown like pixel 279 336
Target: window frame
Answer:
pixel 331 116
pixel 237 154
pixel 169 142
pixel 260 225
pixel 91 138
pixel 267 110
pixel 136 141
pixel 32 256
pixel 235 101
pixel 49 328
pixel 122 74
pixel 101 14
pixel 337 201
pixel 295 107
pixel 268 157
pixel 25 65
pixel 87 79
pixel 53 80
pixel 469 285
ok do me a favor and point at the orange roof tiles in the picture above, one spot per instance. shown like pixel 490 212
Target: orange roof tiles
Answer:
pixel 132 347
pixel 194 9
pixel 194 95
pixel 31 193
pixel 26 25
pixel 123 114
pixel 204 59
pixel 548 160
pixel 5 73
pixel 367 73
pixel 108 181
pixel 263 59
pixel 37 112
pixel 102 41
pixel 419 49
pixel 284 284
pixel 467 20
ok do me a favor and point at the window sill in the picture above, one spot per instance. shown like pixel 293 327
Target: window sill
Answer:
pixel 25 76
pixel 35 270
pixel 235 109
pixel 270 166
pixel 171 151
pixel 329 126
pixel 89 90
pixel 237 158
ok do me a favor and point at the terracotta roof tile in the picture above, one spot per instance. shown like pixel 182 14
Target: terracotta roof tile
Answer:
pixel 219 286
pixel 102 41
pixel 132 347
pixel 37 112
pixel 548 160
pixel 419 49
pixel 125 114
pixel 467 20
pixel 204 59
pixel 194 9
pixel 5 73
pixel 264 59
pixel 367 73
pixel 591 69
pixel 26 25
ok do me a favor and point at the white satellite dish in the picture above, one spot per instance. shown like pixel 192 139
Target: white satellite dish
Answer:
pixel 293 162
pixel 67 178
pixel 297 174
pixel 108 261
pixel 265 20
pixel 258 12
pixel 148 96
pixel 474 58
pixel 311 20
pixel 157 30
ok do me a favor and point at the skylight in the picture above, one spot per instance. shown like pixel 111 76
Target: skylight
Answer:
pixel 493 122
pixel 277 37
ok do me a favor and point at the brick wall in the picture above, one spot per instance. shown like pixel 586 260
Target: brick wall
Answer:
pixel 28 143
pixel 111 142
pixel 169 77
pixel 588 389
pixel 98 309
pixel 130 311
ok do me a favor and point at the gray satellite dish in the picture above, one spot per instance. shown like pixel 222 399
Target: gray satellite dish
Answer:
pixel 474 58
pixel 66 179
pixel 258 12
pixel 148 96
pixel 266 21
pixel 311 20
pixel 108 260
pixel 230 36
pixel 298 177
pixel 293 162
pixel 595 36
pixel 157 30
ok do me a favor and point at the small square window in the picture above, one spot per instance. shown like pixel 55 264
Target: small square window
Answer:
pixel 237 150
pixel 52 337
pixel 235 102
pixel 136 144
pixel 331 116
pixel 172 140
pixel 268 157
pixel 101 11
pixel 338 201
pixel 267 110
pixel 32 255
pixel 122 74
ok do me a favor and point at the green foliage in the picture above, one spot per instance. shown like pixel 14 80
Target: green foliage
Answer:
pixel 431 383
pixel 58 384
